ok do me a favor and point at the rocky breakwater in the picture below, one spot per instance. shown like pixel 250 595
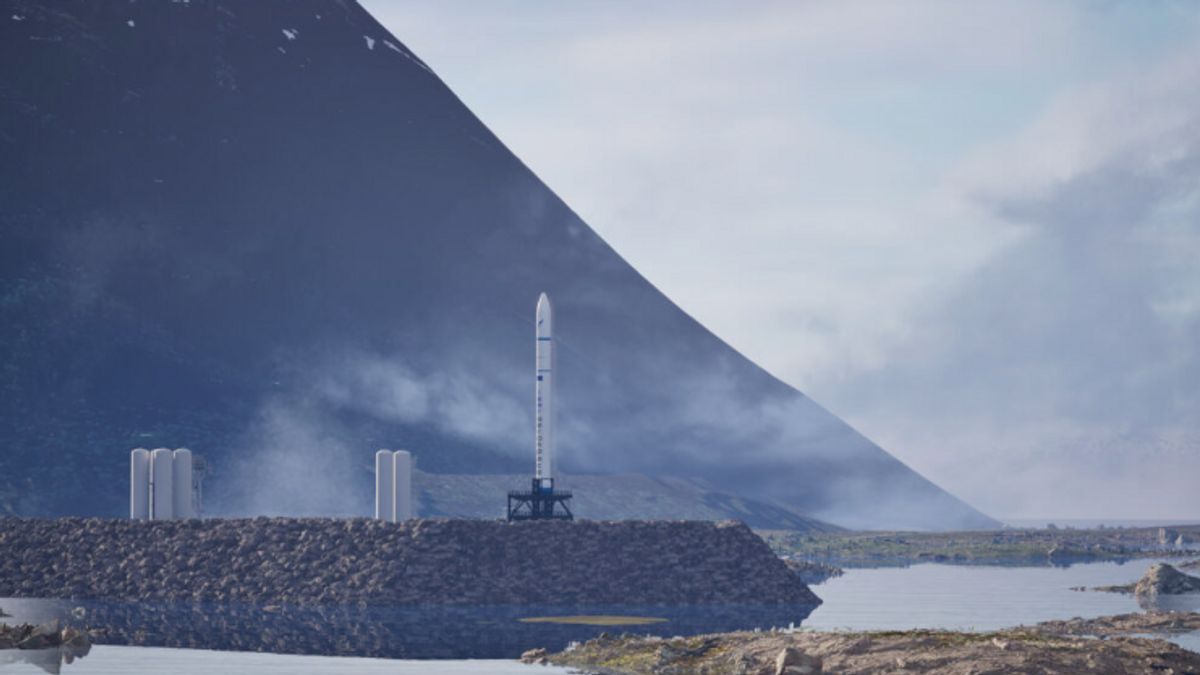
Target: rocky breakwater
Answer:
pixel 419 562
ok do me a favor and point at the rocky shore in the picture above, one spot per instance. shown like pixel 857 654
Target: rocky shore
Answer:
pixel 1098 646
pixel 1024 547
pixel 45 636
pixel 1158 623
pixel 419 562
pixel 813 572
pixel 47 646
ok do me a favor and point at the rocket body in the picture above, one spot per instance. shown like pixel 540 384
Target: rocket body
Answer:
pixel 544 396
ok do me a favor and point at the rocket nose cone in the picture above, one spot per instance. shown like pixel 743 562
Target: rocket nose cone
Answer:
pixel 543 315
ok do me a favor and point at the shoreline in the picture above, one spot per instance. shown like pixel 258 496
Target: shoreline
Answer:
pixel 1007 547
pixel 1106 644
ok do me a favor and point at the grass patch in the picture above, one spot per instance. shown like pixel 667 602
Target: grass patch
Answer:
pixel 595 620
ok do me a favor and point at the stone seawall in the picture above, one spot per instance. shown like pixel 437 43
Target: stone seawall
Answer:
pixel 419 562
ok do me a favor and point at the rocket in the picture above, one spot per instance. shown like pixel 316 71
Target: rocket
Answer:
pixel 543 502
pixel 544 397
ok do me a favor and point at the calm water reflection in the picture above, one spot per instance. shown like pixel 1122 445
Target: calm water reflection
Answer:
pixel 388 632
pixel 976 597
pixel 922 596
pixel 115 660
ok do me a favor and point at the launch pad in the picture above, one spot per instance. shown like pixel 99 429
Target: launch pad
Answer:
pixel 540 503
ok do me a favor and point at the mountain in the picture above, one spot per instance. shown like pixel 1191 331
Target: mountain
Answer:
pixel 268 232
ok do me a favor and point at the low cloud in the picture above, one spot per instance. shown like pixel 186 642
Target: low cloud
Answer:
pixel 471 405
pixel 1063 377
pixel 304 455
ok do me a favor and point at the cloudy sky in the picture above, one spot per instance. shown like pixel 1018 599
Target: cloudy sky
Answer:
pixel 971 230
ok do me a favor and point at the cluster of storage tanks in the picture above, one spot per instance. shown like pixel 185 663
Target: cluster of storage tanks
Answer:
pixel 160 484
pixel 393 485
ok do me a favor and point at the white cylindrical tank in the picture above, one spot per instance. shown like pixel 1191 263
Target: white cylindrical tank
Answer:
pixel 402 486
pixel 139 484
pixel 181 484
pixel 162 474
pixel 383 485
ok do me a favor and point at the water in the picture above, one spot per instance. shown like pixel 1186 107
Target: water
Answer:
pixel 959 597
pixel 115 660
pixel 894 598
pixel 1093 523
pixel 1190 641
pixel 437 632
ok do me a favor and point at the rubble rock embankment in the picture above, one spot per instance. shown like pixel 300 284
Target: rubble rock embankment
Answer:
pixel 418 562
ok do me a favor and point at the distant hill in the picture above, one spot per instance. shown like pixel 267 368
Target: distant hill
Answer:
pixel 267 231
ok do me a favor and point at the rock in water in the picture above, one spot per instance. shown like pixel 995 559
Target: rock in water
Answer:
pixel 1162 579
pixel 42 637
pixel 75 639
pixel 537 656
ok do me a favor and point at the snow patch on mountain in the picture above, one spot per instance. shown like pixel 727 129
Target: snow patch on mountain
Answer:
pixel 408 55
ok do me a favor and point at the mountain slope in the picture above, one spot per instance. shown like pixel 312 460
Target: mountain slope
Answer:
pixel 269 232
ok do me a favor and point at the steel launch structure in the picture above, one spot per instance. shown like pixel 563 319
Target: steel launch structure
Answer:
pixel 542 502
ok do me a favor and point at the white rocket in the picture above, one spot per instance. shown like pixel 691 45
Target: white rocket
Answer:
pixel 544 397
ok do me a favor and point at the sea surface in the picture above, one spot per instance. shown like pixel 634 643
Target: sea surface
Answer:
pixel 971 597
pixel 894 598
pixel 981 598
